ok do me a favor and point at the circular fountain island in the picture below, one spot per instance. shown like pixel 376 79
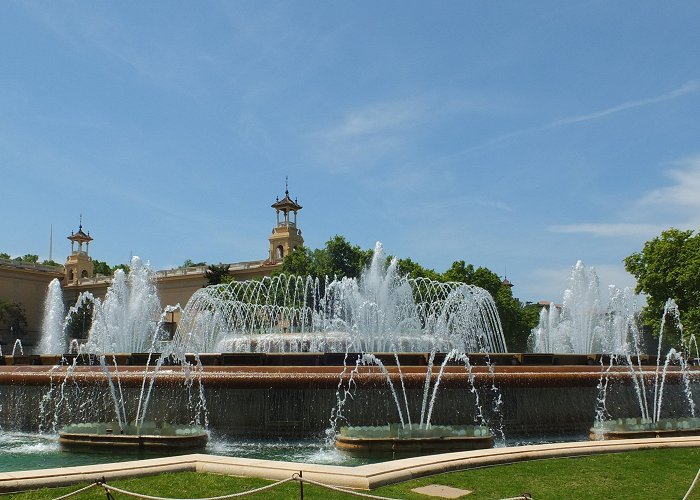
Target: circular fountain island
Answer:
pixel 397 441
pixel 146 436
pixel 637 428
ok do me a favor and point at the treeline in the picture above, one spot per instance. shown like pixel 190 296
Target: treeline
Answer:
pixel 29 259
pixel 99 267
pixel 341 259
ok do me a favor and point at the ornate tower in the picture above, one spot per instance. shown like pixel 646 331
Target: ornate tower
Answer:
pixel 79 263
pixel 285 236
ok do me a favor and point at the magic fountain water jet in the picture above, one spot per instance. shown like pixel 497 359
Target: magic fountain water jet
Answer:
pixel 380 312
pixel 128 320
pixel 656 419
pixel 584 324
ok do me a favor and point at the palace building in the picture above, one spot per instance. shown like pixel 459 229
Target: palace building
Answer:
pixel 27 284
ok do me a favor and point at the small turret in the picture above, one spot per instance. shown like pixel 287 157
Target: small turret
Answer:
pixel 79 263
pixel 285 235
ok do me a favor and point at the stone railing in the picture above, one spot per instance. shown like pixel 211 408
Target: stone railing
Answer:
pixel 185 271
pixel 181 271
pixel 166 273
pixel 96 280
pixel 29 265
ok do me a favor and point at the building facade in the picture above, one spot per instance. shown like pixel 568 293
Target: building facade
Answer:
pixel 27 284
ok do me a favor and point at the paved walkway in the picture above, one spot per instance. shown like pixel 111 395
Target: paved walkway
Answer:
pixel 360 477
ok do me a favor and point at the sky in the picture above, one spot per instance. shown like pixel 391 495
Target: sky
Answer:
pixel 519 136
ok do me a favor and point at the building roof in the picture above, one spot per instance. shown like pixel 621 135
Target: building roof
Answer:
pixel 80 235
pixel 286 203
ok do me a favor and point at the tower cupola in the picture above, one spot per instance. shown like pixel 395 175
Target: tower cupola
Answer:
pixel 79 263
pixel 285 235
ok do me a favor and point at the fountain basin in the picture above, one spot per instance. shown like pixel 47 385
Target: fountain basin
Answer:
pixel 403 441
pixel 147 436
pixel 633 428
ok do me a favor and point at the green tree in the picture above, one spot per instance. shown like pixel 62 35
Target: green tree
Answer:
pixel 5 256
pixel 459 271
pixel 12 316
pixel 407 267
pixel 99 267
pixel 215 273
pixel 300 262
pixel 668 267
pixel 191 263
pixel 344 259
pixel 80 321
pixel 337 259
pixel 123 267
pixel 52 263
pixel 28 258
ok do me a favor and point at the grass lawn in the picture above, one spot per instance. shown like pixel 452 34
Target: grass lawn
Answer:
pixel 652 474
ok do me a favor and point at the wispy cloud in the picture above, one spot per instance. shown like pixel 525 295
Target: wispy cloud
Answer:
pixel 379 118
pixel 675 205
pixel 365 136
pixel 684 192
pixel 688 88
pixel 467 201
pixel 608 229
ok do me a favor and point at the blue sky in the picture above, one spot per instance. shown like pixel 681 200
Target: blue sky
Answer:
pixel 520 136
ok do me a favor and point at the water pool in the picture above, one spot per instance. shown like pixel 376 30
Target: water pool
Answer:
pixel 28 451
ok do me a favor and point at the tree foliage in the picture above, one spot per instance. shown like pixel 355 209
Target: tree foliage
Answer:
pixel 668 267
pixel 337 259
pixel 407 267
pixel 29 259
pixel 99 267
pixel 12 316
pixel 191 263
pixel 124 267
pixel 80 321
pixel 215 273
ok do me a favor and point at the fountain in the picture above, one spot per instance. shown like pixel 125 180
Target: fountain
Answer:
pixel 650 389
pixel 380 312
pixel 583 324
pixel 128 320
pixel 410 437
pixel 53 339
pixel 384 356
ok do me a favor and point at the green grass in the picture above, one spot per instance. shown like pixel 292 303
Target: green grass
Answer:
pixel 650 474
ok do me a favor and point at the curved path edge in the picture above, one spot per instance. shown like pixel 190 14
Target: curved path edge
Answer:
pixel 361 477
